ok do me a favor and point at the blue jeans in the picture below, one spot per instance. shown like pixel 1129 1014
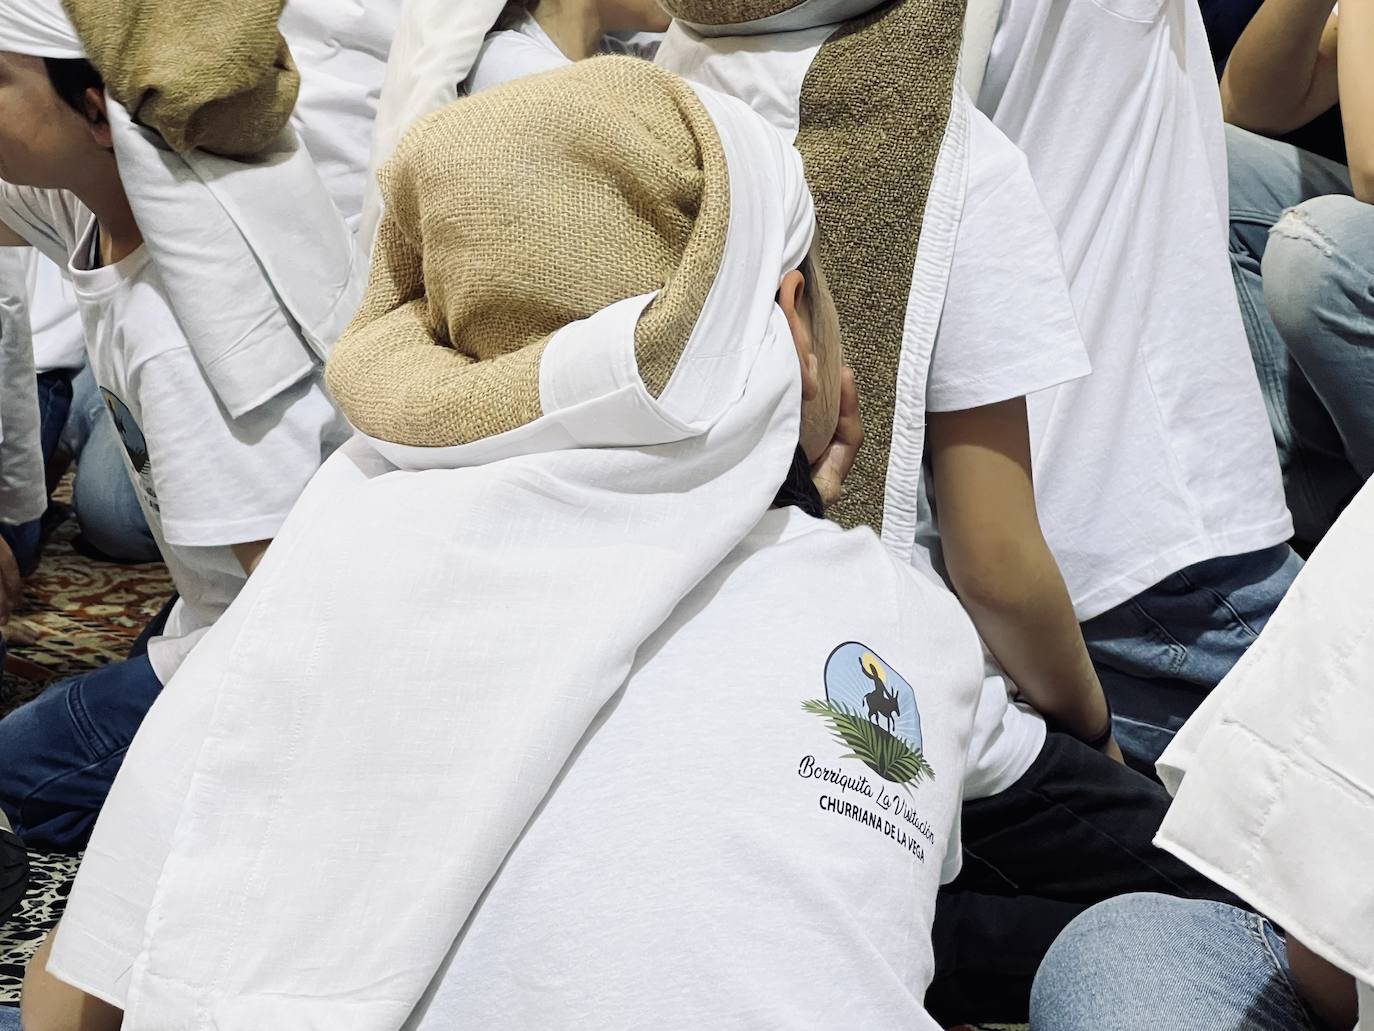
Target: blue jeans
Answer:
pixel 107 507
pixel 1145 962
pixel 9 1018
pixel 1159 654
pixel 1302 252
pixel 54 403
pixel 59 753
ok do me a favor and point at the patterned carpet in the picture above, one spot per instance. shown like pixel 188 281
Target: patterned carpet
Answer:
pixel 83 614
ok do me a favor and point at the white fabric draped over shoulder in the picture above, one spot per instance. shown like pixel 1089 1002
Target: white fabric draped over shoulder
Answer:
pixel 260 267
pixel 1273 775
pixel 317 801
pixel 23 489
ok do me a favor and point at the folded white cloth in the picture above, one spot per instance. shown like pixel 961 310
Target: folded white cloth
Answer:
pixel 318 799
pixel 23 488
pixel 1274 774
pixel 260 268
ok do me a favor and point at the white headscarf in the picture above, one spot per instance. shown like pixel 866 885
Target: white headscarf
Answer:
pixel 260 269
pixel 316 802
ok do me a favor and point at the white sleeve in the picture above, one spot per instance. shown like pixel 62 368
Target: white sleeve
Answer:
pixel 1008 328
pixel 47 219
pixel 222 481
pixel 23 488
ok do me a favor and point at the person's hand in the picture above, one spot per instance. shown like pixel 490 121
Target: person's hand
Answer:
pixel 11 583
pixel 829 471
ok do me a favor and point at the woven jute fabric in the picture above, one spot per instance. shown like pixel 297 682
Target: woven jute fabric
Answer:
pixel 726 12
pixel 209 74
pixel 518 211
pixel 875 105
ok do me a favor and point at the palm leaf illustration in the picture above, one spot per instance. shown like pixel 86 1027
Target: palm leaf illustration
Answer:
pixel 886 754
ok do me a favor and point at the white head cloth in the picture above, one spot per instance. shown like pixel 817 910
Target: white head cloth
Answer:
pixel 435 46
pixel 259 266
pixel 317 801
pixel 1274 773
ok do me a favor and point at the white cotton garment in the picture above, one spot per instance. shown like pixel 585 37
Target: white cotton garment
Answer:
pixel 1273 776
pixel 58 340
pixel 1163 457
pixel 712 855
pixel 203 480
pixel 339 775
pixel 258 264
pixel 23 486
pixel 340 48
pixel 526 49
pixel 434 48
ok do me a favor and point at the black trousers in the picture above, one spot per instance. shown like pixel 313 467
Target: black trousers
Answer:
pixel 1075 830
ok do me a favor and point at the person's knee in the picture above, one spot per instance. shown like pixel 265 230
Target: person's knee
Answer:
pixel 1319 258
pixel 52 1005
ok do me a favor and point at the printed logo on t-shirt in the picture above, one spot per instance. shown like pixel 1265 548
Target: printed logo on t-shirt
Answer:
pixel 134 444
pixel 871 711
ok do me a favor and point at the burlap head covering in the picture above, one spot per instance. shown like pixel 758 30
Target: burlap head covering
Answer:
pixel 205 74
pixel 612 170
pixel 875 105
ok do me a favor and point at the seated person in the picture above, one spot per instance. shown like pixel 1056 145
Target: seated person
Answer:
pixel 1275 797
pixel 214 487
pixel 648 720
pixel 1302 242
pixel 1155 477
pixel 1051 824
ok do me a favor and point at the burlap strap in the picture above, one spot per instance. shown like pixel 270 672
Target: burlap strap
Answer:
pixel 446 346
pixel 209 74
pixel 874 109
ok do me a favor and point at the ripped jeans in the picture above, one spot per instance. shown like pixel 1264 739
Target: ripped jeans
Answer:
pixel 1302 253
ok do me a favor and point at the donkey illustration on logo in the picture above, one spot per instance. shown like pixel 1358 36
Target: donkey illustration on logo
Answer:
pixel 880 701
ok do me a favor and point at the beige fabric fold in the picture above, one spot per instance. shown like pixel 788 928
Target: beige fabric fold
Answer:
pixel 443 352
pixel 206 74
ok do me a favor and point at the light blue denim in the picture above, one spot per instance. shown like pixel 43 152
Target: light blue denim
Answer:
pixel 9 1019
pixel 1151 962
pixel 1302 253
pixel 1159 654
pixel 107 508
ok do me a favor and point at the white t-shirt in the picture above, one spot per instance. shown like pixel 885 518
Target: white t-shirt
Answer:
pixel 526 49
pixel 1164 456
pixel 1008 330
pixel 204 481
pixel 23 487
pixel 58 339
pixel 712 855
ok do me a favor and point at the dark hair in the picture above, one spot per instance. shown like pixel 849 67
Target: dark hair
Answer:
pixel 799 489
pixel 72 77
pixel 513 12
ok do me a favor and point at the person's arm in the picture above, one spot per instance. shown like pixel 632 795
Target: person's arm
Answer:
pixel 1002 569
pixel 250 554
pixel 1329 990
pixel 1282 72
pixel 9 238
pixel 1356 50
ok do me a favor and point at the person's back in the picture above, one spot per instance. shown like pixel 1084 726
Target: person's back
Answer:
pixel 735 819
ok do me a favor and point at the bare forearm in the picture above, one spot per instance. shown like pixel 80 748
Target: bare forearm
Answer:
pixel 1355 48
pixel 1279 76
pixel 1028 623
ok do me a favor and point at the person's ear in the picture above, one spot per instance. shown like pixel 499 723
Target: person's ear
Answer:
pixel 792 301
pixel 97 118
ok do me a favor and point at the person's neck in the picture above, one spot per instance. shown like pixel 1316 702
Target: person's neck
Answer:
pixel 119 232
pixel 574 26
